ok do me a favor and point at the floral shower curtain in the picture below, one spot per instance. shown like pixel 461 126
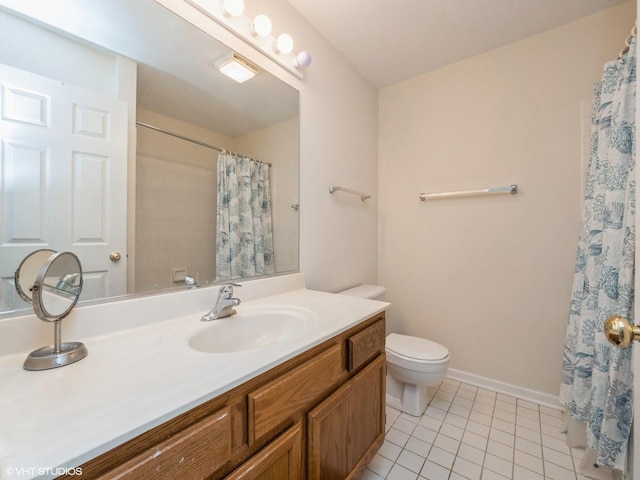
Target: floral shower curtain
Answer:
pixel 244 245
pixel 597 378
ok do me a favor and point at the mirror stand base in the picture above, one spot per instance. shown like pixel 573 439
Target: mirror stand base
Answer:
pixel 45 358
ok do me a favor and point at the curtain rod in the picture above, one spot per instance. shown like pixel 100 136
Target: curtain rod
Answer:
pixel 197 142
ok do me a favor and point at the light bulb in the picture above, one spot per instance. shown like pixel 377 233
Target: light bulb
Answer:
pixel 284 43
pixel 233 7
pixel 262 25
pixel 303 59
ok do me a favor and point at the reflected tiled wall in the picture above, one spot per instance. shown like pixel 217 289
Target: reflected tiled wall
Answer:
pixel 175 217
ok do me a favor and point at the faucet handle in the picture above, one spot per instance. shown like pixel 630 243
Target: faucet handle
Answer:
pixel 226 289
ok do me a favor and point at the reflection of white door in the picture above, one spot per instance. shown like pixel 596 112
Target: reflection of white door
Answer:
pixel 63 166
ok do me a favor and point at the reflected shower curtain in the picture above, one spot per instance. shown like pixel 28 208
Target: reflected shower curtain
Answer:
pixel 597 378
pixel 244 245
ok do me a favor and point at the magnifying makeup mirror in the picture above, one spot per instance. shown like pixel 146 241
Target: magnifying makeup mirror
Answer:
pixel 52 282
pixel 27 272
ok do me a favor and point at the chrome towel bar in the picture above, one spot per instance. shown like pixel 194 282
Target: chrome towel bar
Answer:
pixel 512 189
pixel 335 188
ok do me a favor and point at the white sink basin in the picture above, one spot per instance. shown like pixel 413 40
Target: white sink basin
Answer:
pixel 251 328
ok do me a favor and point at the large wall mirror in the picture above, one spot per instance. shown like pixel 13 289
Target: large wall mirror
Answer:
pixel 112 118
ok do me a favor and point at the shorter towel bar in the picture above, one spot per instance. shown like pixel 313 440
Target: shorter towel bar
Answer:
pixel 335 188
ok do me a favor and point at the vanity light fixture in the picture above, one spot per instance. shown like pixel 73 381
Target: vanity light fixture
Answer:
pixel 236 67
pixel 256 32
pixel 284 43
pixel 302 60
pixel 234 8
pixel 261 25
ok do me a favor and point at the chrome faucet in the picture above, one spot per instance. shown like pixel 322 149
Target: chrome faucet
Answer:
pixel 190 282
pixel 224 304
pixel 69 283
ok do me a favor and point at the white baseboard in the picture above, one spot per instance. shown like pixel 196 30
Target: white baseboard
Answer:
pixel 535 396
pixel 393 402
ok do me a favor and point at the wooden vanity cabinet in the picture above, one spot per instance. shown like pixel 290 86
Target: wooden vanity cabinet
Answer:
pixel 319 415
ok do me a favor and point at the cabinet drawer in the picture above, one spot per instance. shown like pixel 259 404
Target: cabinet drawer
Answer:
pixel 365 345
pixel 279 460
pixel 194 453
pixel 283 398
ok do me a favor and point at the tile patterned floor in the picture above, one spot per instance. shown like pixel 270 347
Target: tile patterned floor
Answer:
pixel 469 433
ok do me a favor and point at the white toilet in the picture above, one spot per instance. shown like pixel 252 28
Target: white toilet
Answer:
pixel 413 363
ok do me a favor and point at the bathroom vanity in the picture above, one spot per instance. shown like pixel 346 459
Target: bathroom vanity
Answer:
pixel 150 401
pixel 321 412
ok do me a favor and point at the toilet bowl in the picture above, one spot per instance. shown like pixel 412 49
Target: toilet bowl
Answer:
pixel 413 363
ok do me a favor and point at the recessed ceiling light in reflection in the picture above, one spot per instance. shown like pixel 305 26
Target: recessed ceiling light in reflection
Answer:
pixel 236 67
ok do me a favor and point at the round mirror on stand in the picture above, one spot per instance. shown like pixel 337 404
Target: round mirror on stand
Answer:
pixel 27 272
pixel 54 292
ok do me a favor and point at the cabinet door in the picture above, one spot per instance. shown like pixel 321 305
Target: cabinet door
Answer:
pixel 347 428
pixel 279 460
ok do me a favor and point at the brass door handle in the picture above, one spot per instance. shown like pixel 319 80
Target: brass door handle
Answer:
pixel 620 332
pixel 115 256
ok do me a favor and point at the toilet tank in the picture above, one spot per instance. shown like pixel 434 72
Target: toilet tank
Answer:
pixel 365 291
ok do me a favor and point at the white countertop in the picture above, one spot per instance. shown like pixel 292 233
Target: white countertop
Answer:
pixel 135 379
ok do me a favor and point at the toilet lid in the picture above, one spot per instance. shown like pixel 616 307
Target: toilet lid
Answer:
pixel 415 347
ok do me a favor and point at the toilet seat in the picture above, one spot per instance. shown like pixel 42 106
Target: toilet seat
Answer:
pixel 415 349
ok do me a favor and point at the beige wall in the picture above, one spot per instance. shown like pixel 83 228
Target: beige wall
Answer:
pixel 490 277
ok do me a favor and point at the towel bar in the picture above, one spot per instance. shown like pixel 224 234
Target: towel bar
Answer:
pixel 512 189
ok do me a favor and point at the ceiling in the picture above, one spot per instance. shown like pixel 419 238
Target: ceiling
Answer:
pixel 389 41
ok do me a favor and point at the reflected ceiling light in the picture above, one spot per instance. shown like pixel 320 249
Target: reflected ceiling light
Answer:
pixel 284 44
pixel 262 25
pixel 234 8
pixel 302 60
pixel 236 67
